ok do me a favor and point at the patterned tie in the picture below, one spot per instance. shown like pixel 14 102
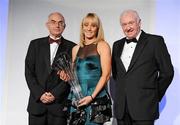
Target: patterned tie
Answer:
pixel 131 40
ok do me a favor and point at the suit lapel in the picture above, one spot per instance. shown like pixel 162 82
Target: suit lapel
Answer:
pixel 119 52
pixel 138 50
pixel 46 54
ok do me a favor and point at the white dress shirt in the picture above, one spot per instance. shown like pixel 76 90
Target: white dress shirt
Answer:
pixel 128 52
pixel 53 49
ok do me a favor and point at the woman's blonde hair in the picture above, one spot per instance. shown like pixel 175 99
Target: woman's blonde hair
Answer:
pixel 97 22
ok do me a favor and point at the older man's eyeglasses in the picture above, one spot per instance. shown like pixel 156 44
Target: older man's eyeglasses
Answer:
pixel 60 23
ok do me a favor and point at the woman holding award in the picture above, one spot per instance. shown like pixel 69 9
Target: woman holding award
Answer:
pixel 92 62
pixel 92 67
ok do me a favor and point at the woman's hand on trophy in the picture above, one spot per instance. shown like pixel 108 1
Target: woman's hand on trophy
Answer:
pixel 85 101
pixel 63 75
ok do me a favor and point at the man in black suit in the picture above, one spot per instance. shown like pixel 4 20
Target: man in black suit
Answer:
pixel 48 93
pixel 142 70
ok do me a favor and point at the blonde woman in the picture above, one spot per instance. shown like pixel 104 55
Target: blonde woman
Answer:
pixel 92 61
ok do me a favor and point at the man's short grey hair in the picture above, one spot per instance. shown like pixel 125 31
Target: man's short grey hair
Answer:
pixel 134 12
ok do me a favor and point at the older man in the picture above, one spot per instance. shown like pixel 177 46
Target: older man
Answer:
pixel 142 70
pixel 48 93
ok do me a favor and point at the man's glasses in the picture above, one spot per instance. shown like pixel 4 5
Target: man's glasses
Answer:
pixel 60 23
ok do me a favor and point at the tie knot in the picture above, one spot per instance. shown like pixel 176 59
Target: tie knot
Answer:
pixel 54 41
pixel 131 40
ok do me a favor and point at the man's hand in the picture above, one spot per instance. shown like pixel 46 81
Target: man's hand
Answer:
pixel 47 97
pixel 63 75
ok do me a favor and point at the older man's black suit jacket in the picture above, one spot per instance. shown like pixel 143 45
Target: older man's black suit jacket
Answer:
pixel 40 77
pixel 143 85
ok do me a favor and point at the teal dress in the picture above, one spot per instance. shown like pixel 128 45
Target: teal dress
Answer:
pixel 88 69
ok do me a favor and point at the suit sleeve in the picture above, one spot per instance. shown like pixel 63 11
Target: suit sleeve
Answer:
pixel 61 91
pixel 35 89
pixel 166 71
pixel 56 86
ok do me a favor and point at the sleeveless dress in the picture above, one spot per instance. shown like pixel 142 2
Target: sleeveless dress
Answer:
pixel 88 69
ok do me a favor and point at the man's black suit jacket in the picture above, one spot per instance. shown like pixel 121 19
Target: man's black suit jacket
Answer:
pixel 143 85
pixel 41 78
